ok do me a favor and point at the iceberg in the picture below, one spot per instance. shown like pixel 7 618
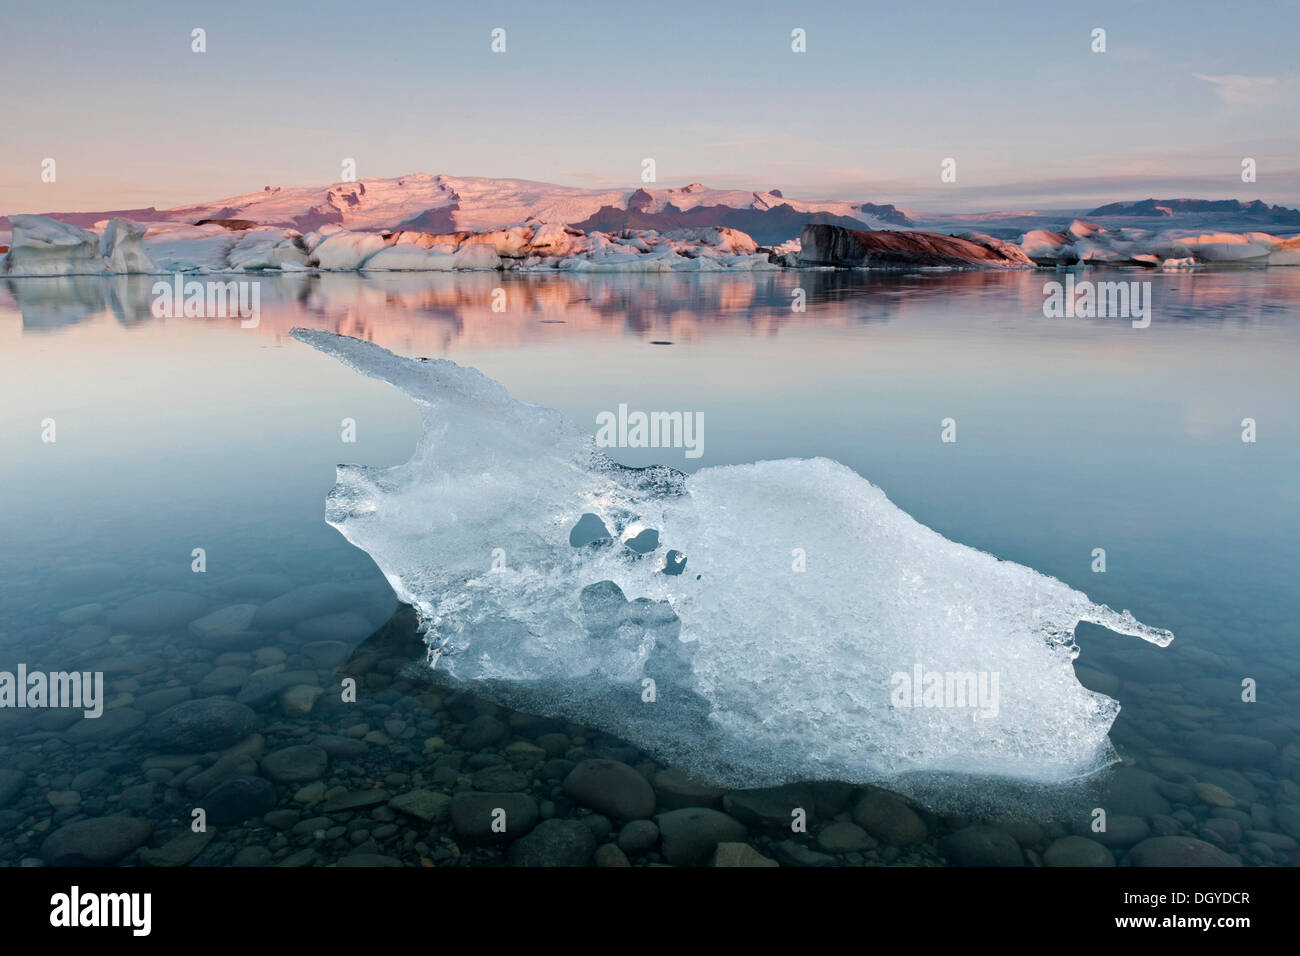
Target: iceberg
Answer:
pixel 751 624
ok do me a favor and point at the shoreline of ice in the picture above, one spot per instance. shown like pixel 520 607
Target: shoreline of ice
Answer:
pixel 42 246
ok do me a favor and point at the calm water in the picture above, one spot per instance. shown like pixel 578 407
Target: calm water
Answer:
pixel 1072 435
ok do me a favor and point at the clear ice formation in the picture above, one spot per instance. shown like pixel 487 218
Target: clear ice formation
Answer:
pixel 508 532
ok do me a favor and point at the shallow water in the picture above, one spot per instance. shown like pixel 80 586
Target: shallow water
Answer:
pixel 1072 435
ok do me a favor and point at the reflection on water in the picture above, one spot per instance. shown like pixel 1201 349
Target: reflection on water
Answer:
pixel 1072 435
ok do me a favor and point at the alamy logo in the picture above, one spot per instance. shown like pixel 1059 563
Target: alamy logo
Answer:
pixel 76 689
pixel 209 299
pixel 1098 300
pixel 74 908
pixel 624 429
pixel 977 690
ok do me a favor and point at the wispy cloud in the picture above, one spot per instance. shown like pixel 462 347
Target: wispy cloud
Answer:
pixel 1241 90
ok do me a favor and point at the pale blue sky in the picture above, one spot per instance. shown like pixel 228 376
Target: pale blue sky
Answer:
pixel 711 91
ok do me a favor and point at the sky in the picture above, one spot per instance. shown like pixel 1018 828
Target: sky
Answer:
pixel 712 91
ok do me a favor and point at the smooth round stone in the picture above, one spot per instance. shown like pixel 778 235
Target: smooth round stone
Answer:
pixel 307 602
pixel 610 855
pixel 770 806
pixel 111 725
pixel 483 731
pixel 598 824
pixel 845 838
pixel 224 622
pixel 1179 851
pixel 1134 792
pixel 554 843
pixel 87 636
pixel 268 656
pixel 797 853
pixel 741 855
pixel 342 748
pixel 499 779
pixel 1226 833
pixel 237 800
pixel 475 818
pixel 298 764
pixel 253 856
pixel 888 818
pixel 676 791
pixel 101 841
pixel 63 798
pixel 193 726
pixel 612 788
pixel 1077 851
pixel 299 699
pixel 346 627
pixel 1232 750
pixel 1121 830
pixel 81 614
pixel 982 846
pixel 638 836
pixel 159 611
pixel 258 585
pixel 222 680
pixel 690 835
pixel 1214 796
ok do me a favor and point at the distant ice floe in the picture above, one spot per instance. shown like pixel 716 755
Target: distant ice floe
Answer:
pixel 749 624
pixel 41 246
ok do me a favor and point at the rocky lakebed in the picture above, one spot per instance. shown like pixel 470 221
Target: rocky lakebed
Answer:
pixel 230 701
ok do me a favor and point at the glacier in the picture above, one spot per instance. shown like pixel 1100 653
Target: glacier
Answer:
pixel 746 623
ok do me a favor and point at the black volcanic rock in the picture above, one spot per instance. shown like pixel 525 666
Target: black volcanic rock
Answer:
pixel 826 245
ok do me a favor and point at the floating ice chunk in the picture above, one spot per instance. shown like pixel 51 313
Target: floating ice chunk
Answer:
pixel 121 248
pixel 180 247
pixel 267 248
pixel 476 256
pixel 42 246
pixel 347 251
pixel 761 673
